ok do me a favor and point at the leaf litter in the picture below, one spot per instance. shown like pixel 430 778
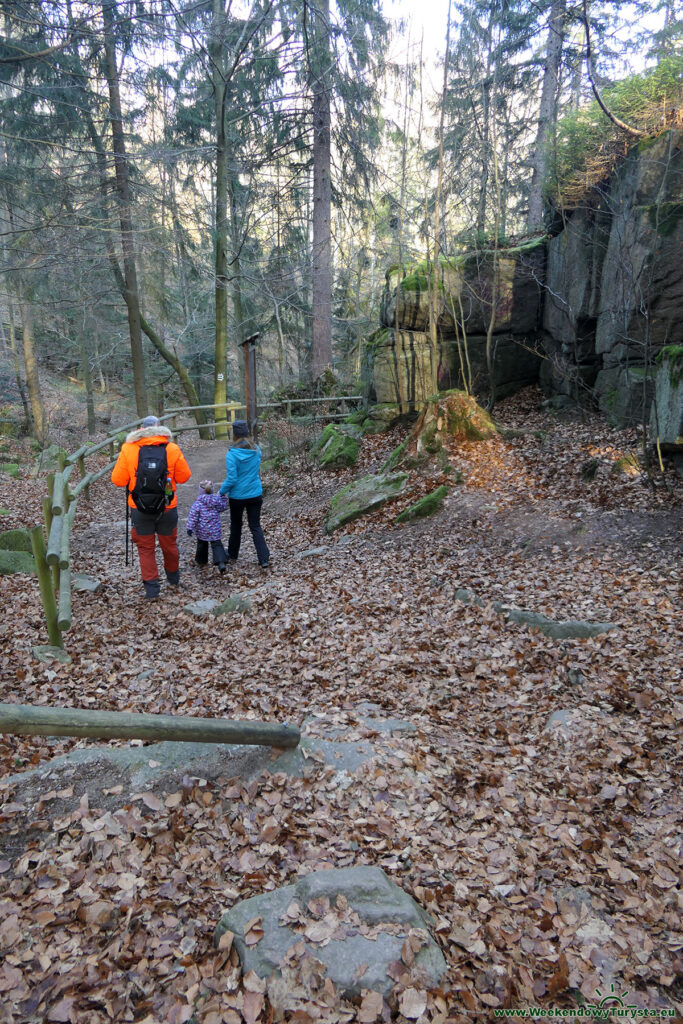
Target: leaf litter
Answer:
pixel 548 855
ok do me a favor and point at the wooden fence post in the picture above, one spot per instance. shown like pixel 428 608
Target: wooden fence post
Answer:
pixel 47 594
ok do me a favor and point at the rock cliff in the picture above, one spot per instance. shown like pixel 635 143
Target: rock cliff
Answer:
pixel 586 312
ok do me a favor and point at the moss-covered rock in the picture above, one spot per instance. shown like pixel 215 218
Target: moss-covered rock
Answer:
pixel 16 540
pixel 49 459
pixel 337 450
pixel 371 426
pixel 11 469
pixel 357 417
pixel 426 506
pixel 16 561
pixel 239 604
pixel 387 413
pixel 362 496
pixel 452 413
pixel 395 459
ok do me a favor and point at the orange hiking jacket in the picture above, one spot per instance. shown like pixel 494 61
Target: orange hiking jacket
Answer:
pixel 124 472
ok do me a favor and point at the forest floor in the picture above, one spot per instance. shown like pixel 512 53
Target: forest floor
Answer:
pixel 547 856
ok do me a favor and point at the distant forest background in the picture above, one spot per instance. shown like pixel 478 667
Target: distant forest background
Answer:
pixel 176 176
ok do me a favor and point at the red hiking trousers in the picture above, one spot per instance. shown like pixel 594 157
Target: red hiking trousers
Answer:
pixel 145 529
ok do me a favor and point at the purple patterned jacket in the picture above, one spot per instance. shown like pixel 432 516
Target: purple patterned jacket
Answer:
pixel 204 519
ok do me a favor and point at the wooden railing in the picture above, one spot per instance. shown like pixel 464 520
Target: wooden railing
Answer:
pixel 52 549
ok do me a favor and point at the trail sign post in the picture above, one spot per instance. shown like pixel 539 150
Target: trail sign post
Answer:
pixel 249 349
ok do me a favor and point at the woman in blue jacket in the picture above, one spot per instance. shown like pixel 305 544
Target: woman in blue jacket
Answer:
pixel 242 485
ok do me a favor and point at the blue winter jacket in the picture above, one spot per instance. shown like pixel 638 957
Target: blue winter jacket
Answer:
pixel 243 479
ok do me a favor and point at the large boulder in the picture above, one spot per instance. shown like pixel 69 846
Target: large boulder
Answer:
pixel 362 496
pixel 16 540
pixel 337 447
pixel 453 413
pixel 16 561
pixel 354 921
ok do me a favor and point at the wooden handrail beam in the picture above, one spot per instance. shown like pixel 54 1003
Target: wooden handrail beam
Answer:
pixel 27 720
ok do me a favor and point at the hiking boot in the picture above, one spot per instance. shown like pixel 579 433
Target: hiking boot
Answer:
pixel 265 565
pixel 173 577
pixel 152 589
pixel 222 566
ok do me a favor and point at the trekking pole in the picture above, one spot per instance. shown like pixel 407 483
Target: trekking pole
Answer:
pixel 127 517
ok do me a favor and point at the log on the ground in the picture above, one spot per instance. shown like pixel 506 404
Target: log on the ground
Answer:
pixel 25 719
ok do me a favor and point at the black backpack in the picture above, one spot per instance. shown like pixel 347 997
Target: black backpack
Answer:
pixel 149 493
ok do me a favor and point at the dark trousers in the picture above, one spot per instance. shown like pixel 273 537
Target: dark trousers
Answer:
pixel 201 556
pixel 253 510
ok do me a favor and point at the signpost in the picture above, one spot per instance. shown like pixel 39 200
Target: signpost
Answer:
pixel 249 349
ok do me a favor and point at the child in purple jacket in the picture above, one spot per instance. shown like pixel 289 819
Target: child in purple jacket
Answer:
pixel 204 520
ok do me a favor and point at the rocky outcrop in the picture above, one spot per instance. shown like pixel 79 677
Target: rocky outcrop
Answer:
pixel 666 414
pixel 614 284
pixel 598 301
pixel 409 365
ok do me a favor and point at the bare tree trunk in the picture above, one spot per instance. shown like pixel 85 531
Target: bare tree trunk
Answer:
pixel 221 217
pixel 433 279
pixel 31 369
pixel 17 365
pixel 547 114
pixel 87 373
pixel 322 193
pixel 485 115
pixel 131 294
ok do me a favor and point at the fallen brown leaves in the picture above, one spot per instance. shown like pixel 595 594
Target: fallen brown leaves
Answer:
pixel 547 856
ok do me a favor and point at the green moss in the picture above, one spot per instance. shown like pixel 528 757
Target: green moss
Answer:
pixel 339 450
pixel 465 418
pixel 16 540
pixel 362 496
pixel 357 417
pixel 11 469
pixel 371 426
pixel 426 506
pixel 664 217
pixel 588 144
pixel 430 441
pixel 16 561
pixel 395 458
pixel 328 432
pixel 611 399
pixel 673 356
pixel 5 512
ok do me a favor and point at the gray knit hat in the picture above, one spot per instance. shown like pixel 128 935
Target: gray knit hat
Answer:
pixel 151 421
pixel 240 428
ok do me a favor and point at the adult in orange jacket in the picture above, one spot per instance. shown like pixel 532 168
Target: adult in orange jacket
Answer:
pixel 166 523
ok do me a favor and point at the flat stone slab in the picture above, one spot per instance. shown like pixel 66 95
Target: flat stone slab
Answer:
pixel 202 607
pixel 85 584
pixel 364 495
pixel 324 740
pixel 144 767
pixel 47 654
pixel 568 629
pixel 313 552
pixel 354 921
pixel 240 603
